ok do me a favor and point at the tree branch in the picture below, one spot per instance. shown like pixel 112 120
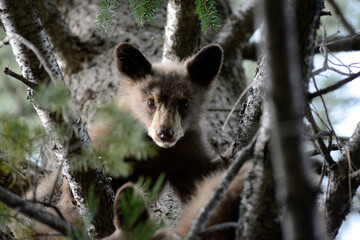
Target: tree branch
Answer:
pixel 4 42
pixel 218 227
pixel 69 46
pixel 28 37
pixel 315 152
pixel 33 211
pixel 343 43
pixel 29 84
pixel 237 29
pixel 287 95
pixel 201 220
pixel 182 30
pixel 335 44
pixel 258 196
pixel 249 117
pixel 337 200
pixel 321 145
pixel 333 87
pixel 346 24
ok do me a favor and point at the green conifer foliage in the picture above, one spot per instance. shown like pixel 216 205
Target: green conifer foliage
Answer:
pixel 144 10
pixel 208 15
pixel 106 14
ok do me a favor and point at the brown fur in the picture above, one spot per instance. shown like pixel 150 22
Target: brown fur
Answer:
pixel 226 211
pixel 178 93
pixel 62 199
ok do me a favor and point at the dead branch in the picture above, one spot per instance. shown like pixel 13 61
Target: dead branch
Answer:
pixel 334 86
pixel 28 37
pixel 343 20
pixel 33 211
pixel 327 117
pixel 321 145
pixel 218 227
pixel 334 44
pixel 337 200
pixel 236 103
pixel 28 83
pixel 49 205
pixel 315 152
pixel 343 43
pixel 4 42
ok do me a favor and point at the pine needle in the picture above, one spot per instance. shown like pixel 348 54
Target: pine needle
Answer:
pixel 208 15
pixel 106 15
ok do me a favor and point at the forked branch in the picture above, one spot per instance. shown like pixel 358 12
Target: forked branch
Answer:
pixel 33 211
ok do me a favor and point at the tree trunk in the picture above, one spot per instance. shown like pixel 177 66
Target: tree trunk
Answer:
pixel 31 50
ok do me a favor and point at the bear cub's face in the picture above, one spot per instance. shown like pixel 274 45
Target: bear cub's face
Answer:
pixel 168 98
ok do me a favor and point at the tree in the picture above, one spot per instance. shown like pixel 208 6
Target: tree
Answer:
pixel 279 173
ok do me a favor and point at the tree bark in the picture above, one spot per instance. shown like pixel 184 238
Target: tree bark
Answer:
pixel 182 30
pixel 258 208
pixel 342 187
pixel 35 212
pixel 287 95
pixel 251 109
pixel 17 22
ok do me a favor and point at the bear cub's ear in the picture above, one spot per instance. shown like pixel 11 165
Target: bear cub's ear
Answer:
pixel 131 62
pixel 205 65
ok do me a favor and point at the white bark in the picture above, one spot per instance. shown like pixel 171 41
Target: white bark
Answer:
pixel 32 40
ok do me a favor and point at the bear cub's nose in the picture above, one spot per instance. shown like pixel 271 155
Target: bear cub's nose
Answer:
pixel 165 133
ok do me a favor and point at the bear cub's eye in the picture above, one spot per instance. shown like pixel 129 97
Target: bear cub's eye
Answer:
pixel 183 105
pixel 151 103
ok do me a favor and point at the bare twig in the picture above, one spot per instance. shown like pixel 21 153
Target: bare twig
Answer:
pixel 55 183
pixel 327 116
pixel 349 171
pixel 337 201
pixel 323 49
pixel 35 212
pixel 218 227
pixel 47 204
pixel 315 152
pixel 201 220
pixel 31 48
pixel 321 145
pixel 221 110
pixel 48 234
pixel 333 87
pixel 5 41
pixel 28 83
pixel 334 44
pixel 355 174
pixel 349 41
pixel 346 24
pixel 236 103
pixel 322 133
pixel 38 54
